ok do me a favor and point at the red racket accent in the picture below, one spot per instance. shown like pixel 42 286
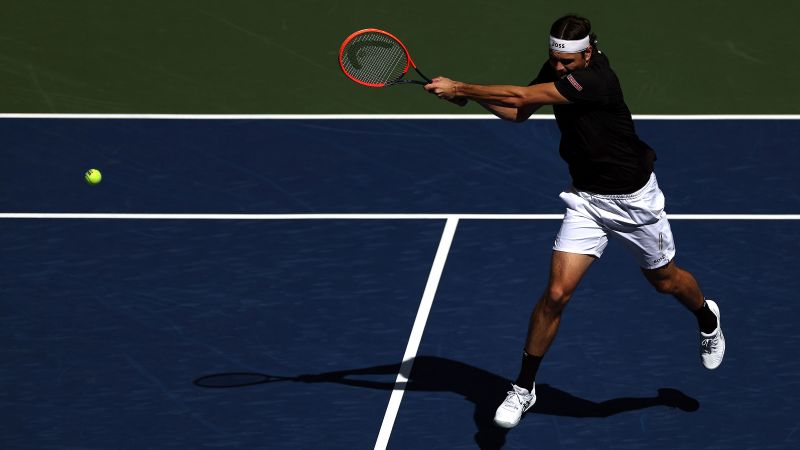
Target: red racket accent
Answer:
pixel 347 70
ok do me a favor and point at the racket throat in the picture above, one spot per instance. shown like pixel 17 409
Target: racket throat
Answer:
pixel 428 80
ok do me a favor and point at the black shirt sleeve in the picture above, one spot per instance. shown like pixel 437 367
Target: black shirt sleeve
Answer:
pixel 582 86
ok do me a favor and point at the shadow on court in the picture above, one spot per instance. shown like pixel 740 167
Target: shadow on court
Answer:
pixel 484 389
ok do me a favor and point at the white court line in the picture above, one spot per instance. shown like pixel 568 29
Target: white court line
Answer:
pixel 375 116
pixel 416 334
pixel 357 216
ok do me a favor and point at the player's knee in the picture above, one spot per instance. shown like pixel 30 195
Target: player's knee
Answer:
pixel 664 285
pixel 556 298
pixel 666 280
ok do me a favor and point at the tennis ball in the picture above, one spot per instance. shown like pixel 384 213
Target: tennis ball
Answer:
pixel 93 176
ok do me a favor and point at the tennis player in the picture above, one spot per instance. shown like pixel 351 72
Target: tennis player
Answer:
pixel 614 193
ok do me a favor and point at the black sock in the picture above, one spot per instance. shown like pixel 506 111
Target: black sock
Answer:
pixel 706 319
pixel 527 373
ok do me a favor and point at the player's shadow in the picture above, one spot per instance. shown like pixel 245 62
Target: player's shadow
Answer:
pixel 484 389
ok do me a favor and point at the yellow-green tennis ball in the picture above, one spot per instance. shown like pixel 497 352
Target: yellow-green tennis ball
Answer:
pixel 93 176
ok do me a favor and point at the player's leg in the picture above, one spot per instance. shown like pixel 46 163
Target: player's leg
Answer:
pixel 579 242
pixel 566 271
pixel 671 279
pixel 647 234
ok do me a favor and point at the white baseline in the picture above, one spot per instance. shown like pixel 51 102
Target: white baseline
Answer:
pixel 360 216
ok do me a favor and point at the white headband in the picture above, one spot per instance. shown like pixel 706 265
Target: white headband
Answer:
pixel 564 46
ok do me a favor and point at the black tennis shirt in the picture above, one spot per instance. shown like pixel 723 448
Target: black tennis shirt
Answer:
pixel 598 139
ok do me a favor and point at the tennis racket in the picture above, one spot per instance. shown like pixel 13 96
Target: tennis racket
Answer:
pixel 376 58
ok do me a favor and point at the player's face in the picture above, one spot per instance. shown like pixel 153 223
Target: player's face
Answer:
pixel 566 63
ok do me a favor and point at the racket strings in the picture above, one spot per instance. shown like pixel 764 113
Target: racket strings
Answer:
pixel 374 58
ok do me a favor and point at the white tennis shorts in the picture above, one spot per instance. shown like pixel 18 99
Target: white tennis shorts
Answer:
pixel 637 220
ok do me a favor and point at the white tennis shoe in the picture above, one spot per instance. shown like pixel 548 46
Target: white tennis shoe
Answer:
pixel 712 346
pixel 516 403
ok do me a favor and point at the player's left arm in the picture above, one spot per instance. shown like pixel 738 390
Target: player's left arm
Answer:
pixel 501 95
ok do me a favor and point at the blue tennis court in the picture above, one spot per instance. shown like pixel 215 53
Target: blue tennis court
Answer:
pixel 124 327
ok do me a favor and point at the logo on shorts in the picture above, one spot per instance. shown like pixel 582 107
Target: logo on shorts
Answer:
pixel 663 257
pixel 574 82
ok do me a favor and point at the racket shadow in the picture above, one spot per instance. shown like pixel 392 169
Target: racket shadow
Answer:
pixel 236 380
pixel 484 389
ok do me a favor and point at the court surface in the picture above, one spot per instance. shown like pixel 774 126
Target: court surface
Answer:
pixel 216 253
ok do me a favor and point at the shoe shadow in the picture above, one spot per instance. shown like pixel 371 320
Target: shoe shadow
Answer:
pixel 484 389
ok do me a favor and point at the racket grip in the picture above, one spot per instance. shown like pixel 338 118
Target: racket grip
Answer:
pixel 461 101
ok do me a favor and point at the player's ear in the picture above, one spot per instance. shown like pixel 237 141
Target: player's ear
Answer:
pixel 587 54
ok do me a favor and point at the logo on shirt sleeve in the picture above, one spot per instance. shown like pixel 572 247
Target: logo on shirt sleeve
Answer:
pixel 574 83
